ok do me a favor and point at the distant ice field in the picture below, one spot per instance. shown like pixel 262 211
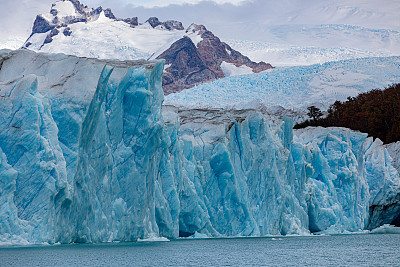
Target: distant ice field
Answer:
pixel 294 45
pixel 291 55
pixel 295 87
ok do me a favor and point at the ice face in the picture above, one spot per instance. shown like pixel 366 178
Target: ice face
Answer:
pixel 88 154
pixel 255 178
pixel 81 143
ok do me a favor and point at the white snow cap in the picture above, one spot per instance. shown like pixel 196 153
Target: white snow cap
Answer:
pixel 194 32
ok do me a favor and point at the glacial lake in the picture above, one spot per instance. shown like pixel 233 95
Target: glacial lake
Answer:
pixel 338 250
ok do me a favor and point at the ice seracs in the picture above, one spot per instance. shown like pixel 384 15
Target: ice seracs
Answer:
pixel 55 119
pixel 294 88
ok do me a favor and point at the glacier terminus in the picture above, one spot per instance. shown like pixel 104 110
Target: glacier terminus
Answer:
pixel 89 153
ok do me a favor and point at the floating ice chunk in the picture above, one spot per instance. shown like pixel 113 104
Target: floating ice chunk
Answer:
pixel 154 239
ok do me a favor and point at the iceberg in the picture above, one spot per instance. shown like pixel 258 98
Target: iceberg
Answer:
pixel 88 153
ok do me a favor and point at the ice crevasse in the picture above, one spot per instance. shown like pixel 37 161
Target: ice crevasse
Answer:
pixel 89 154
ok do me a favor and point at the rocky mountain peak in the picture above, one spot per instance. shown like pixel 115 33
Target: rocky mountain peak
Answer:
pixel 186 67
pixel 195 28
pixel 168 25
pixel 82 9
pixel 195 56
pixel 199 57
pixel 132 21
pixel 109 14
pixel 154 22
pixel 174 25
pixel 63 13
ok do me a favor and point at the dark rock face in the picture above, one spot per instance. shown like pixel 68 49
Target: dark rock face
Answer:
pixel 238 59
pixel 96 11
pixel 49 37
pixel 169 24
pixel 76 20
pixel 214 52
pixel 109 14
pixel 154 22
pixel 191 65
pixel 41 25
pixel 54 12
pixel 132 21
pixel 67 31
pixel 47 40
pixel 187 68
pixel 79 7
pixel 173 25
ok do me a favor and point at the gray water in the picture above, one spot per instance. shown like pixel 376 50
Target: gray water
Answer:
pixel 343 250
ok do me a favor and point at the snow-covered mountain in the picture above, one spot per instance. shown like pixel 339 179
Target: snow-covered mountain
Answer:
pixel 88 154
pixel 193 56
pixel 200 56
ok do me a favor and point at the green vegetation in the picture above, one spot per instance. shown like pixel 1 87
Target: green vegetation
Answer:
pixel 376 113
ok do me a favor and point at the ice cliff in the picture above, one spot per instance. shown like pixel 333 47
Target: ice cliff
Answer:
pixel 80 145
pixel 88 154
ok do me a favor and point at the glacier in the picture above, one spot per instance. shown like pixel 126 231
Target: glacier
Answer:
pixel 89 153
pixel 294 88
pixel 283 53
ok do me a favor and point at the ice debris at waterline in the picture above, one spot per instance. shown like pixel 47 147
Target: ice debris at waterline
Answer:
pixel 88 155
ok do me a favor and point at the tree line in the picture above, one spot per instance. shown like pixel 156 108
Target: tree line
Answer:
pixel 376 112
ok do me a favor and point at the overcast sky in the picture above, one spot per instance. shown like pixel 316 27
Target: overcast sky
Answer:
pixel 239 19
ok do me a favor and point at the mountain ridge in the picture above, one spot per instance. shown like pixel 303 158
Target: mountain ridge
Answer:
pixel 68 28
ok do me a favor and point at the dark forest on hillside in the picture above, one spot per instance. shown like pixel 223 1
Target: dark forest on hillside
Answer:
pixel 376 112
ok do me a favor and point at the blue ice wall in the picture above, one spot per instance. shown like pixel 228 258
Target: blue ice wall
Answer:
pixel 88 154
pixel 80 143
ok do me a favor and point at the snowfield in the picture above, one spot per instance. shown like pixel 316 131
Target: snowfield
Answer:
pixel 294 55
pixel 105 38
pixel 12 43
pixel 295 45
